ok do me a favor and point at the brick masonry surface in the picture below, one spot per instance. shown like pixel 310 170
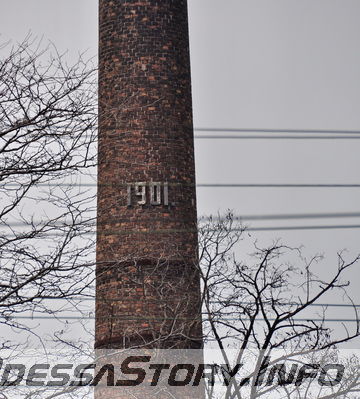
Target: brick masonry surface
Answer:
pixel 147 280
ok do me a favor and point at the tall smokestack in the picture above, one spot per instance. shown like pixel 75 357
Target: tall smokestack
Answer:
pixel 148 288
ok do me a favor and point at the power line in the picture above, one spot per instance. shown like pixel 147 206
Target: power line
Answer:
pixel 289 228
pixel 283 137
pixel 277 134
pixel 207 185
pixel 126 299
pixel 267 228
pixel 292 216
pixel 286 216
pixel 278 185
pixel 292 131
pixel 133 318
pixel 43 235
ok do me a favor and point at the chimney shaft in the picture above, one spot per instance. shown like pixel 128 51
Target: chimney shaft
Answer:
pixel 148 287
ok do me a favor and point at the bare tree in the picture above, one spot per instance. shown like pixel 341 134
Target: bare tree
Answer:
pixel 268 310
pixel 273 306
pixel 48 123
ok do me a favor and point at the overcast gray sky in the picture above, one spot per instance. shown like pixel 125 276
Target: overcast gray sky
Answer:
pixel 281 64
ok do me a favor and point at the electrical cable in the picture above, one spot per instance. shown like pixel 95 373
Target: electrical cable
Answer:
pixel 286 216
pixel 292 131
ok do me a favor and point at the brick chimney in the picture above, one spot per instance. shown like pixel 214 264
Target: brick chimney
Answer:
pixel 148 287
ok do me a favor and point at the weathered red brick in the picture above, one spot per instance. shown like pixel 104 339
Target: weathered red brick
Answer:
pixel 146 135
